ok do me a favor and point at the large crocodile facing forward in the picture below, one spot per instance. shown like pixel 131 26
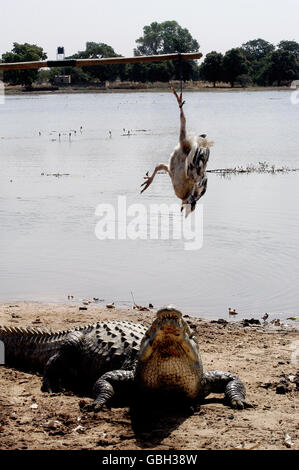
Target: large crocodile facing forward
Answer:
pixel 109 357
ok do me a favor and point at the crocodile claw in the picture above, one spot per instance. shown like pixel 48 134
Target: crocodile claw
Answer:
pixel 90 407
pixel 240 404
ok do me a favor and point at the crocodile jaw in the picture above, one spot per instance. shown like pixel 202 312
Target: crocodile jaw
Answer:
pixel 169 359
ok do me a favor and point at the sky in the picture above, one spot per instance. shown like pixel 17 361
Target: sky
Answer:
pixel 216 24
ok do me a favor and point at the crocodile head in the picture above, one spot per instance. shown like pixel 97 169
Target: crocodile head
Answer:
pixel 169 362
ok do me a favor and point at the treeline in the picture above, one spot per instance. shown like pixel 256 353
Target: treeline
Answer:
pixel 255 62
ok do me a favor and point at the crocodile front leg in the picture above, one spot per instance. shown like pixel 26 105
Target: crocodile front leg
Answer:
pixel 106 386
pixel 217 381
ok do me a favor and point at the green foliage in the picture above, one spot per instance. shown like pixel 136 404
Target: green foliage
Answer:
pixel 244 80
pixel 152 72
pixel 23 53
pixel 137 72
pixel 43 76
pixel 257 49
pixel 234 65
pixel 166 38
pixel 211 68
pixel 257 61
pixel 282 67
pixel 290 46
pixel 160 71
pixel 257 53
pixel 101 73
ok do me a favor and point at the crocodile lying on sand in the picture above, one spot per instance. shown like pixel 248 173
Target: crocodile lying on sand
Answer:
pixel 115 357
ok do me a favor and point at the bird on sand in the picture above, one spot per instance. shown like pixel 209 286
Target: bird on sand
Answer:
pixel 186 166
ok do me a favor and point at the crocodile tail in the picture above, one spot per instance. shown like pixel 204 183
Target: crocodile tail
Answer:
pixel 28 348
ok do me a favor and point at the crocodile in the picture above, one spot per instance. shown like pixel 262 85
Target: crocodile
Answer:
pixel 111 358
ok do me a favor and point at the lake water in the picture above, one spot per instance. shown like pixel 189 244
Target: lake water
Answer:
pixel 49 250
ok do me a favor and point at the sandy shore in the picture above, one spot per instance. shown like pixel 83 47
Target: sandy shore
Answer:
pixel 262 356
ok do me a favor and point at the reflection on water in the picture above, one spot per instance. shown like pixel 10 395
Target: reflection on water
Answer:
pixel 249 258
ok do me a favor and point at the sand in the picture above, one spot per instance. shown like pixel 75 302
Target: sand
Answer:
pixel 264 357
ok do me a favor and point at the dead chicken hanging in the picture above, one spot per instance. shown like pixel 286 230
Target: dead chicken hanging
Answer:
pixel 187 165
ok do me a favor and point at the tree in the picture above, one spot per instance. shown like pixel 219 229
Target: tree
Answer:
pixel 165 38
pixel 23 53
pixel 137 72
pixel 211 68
pixel 282 66
pixel 160 71
pixel 234 65
pixel 257 49
pixel 257 53
pixel 290 46
pixel 95 50
pixel 44 76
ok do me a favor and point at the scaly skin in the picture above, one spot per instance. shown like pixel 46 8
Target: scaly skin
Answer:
pixel 117 357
